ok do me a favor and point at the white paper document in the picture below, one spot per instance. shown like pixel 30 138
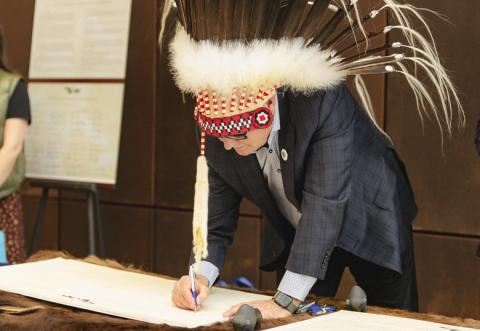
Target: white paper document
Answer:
pixel 347 321
pixel 80 39
pixel 114 292
pixel 75 134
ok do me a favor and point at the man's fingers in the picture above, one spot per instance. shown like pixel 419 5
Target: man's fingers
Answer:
pixel 186 292
pixel 182 294
pixel 178 299
pixel 187 297
pixel 202 294
pixel 232 311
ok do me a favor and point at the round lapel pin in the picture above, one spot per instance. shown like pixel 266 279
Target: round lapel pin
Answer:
pixel 284 154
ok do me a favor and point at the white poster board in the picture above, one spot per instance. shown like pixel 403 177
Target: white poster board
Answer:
pixel 76 87
pixel 75 132
pixel 347 320
pixel 114 292
pixel 80 39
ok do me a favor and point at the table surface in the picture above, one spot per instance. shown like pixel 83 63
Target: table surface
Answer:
pixel 56 317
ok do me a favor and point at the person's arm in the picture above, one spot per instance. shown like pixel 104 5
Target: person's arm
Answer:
pixel 223 211
pixel 19 103
pixel 325 195
pixel 13 137
pixel 296 285
pixel 17 119
pixel 208 270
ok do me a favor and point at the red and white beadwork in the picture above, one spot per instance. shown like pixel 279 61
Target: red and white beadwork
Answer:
pixel 259 118
pixel 238 101
pixel 238 112
pixel 262 118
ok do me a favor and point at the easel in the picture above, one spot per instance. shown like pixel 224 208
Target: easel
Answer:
pixel 95 230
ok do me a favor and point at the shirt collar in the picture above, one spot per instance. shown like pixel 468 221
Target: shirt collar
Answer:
pixel 276 122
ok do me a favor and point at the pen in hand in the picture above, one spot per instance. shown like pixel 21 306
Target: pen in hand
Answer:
pixel 194 291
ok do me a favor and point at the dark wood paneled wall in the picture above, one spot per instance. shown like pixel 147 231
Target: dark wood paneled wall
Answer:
pixel 446 181
pixel 147 216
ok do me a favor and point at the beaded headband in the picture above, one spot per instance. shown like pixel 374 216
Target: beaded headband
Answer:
pixel 239 114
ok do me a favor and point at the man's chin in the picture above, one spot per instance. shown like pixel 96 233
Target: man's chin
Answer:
pixel 244 152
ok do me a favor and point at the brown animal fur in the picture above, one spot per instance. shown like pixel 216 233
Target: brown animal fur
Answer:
pixel 61 318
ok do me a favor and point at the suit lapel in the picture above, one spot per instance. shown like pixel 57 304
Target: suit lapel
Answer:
pixel 252 176
pixel 286 142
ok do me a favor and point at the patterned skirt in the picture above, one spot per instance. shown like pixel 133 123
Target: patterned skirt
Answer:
pixel 11 223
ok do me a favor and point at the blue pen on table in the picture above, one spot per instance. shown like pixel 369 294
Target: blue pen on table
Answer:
pixel 304 307
pixel 192 280
pixel 315 310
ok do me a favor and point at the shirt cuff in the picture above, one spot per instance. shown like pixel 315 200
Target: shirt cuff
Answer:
pixel 296 285
pixel 208 270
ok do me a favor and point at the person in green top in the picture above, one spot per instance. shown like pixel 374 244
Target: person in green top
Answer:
pixel 14 120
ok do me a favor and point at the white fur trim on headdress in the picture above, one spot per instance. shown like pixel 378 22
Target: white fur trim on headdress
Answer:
pixel 258 64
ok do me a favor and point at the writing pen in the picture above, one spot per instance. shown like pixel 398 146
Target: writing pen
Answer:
pixel 304 307
pixel 192 280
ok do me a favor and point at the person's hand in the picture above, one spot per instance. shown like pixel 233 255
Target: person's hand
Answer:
pixel 182 292
pixel 268 308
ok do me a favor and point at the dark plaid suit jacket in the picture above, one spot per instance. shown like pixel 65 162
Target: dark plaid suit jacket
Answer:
pixel 341 173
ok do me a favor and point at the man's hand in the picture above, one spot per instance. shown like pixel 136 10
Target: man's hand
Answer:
pixel 182 292
pixel 268 308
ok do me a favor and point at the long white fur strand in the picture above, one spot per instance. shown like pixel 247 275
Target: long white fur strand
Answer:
pixel 200 212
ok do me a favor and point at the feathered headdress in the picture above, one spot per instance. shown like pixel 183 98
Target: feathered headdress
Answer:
pixel 232 55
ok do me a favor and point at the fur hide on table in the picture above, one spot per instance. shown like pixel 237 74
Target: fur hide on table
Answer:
pixel 62 318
